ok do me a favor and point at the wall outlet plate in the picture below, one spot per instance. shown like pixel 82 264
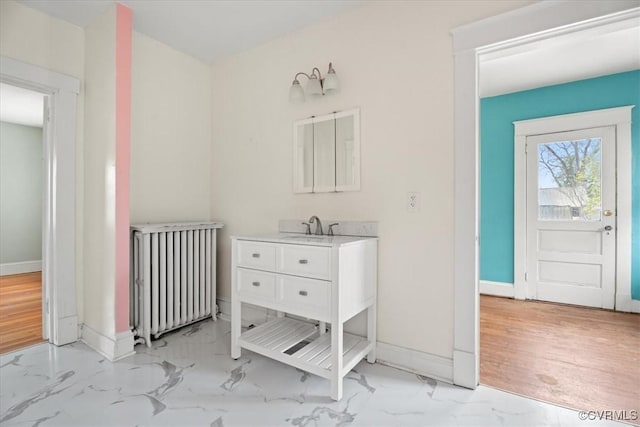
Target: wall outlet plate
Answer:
pixel 413 201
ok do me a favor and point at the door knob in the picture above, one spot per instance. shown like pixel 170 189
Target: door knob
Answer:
pixel 608 228
pixel 607 212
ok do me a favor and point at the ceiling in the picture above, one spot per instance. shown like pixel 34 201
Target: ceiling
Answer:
pixel 212 30
pixel 208 30
pixel 20 106
pixel 578 55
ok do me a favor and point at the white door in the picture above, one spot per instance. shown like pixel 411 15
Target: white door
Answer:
pixel 571 221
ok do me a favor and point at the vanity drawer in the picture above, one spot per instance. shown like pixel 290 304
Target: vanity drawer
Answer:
pixel 256 284
pixel 308 261
pixel 301 295
pixel 257 255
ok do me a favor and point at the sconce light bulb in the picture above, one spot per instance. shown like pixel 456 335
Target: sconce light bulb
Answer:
pixel 314 87
pixel 296 93
pixel 331 83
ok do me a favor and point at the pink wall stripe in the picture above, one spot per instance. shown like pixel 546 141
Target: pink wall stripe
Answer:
pixel 123 142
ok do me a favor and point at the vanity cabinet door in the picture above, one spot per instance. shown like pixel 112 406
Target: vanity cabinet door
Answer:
pixel 305 297
pixel 307 261
pixel 257 255
pixel 257 284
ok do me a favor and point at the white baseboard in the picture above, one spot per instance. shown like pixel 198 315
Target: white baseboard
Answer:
pixel 467 369
pixel 67 331
pixel 112 348
pixel 429 365
pixel 626 304
pixel 224 309
pixel 20 267
pixel 417 362
pixel 124 345
pixel 498 289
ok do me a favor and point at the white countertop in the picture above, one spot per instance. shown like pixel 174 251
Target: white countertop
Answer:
pixel 304 239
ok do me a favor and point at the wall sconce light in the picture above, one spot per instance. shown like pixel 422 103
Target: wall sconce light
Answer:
pixel 316 85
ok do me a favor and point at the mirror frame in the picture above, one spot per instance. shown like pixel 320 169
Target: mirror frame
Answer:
pixel 298 170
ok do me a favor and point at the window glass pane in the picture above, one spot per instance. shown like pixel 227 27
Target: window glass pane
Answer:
pixel 569 180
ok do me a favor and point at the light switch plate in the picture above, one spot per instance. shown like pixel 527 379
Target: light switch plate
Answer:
pixel 413 201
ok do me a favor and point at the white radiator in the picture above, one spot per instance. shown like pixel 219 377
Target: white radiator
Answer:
pixel 173 276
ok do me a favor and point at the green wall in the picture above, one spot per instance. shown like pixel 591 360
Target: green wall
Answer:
pixel 497 115
pixel 20 193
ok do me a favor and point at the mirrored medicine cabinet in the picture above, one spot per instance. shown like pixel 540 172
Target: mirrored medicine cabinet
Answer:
pixel 326 153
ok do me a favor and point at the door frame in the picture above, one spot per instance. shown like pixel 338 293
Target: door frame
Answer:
pixel 539 21
pixel 60 319
pixel 620 118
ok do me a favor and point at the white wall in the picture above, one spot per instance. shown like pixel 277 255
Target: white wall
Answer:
pixel 171 130
pixel 394 60
pixel 99 185
pixel 170 135
pixel 35 38
pixel 20 193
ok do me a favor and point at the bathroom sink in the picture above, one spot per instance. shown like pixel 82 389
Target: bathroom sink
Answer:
pixel 305 237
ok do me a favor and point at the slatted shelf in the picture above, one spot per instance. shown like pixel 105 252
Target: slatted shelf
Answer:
pixel 275 337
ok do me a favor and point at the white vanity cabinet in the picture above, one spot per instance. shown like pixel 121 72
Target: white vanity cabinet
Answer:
pixel 327 280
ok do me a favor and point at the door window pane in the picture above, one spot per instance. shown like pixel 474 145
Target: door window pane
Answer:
pixel 570 180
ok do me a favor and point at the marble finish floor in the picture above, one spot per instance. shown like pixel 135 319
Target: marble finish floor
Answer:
pixel 188 379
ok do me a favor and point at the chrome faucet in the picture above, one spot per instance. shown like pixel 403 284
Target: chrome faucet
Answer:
pixel 318 225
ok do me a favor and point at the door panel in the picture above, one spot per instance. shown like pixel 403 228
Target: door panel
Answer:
pixel 585 242
pixel 570 234
pixel 571 273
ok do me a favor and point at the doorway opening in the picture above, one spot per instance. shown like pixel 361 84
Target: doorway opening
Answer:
pixel 21 217
pixel 536 22
pixel 570 239
pixel 572 246
pixel 59 308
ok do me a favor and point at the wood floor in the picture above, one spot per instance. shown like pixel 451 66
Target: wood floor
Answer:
pixel 20 310
pixel 576 357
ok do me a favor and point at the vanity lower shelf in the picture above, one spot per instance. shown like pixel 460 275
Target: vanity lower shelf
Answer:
pixel 277 338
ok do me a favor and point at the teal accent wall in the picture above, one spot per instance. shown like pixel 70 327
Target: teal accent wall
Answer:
pixel 497 115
